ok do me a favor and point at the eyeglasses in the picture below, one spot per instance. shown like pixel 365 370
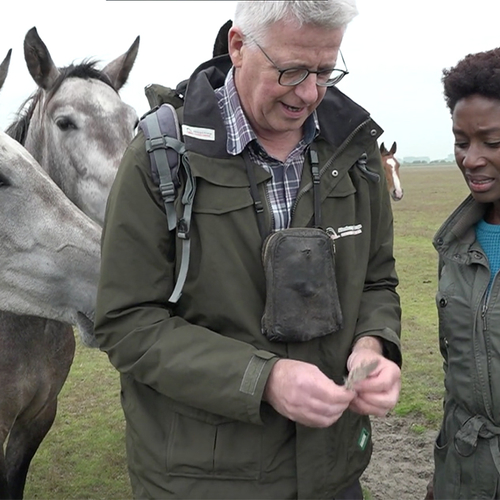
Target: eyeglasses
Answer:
pixel 293 76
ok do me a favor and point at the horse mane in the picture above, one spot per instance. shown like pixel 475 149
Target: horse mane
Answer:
pixel 18 129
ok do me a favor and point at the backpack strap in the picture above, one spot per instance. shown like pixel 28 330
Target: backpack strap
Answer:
pixel 167 155
pixel 162 132
pixel 183 227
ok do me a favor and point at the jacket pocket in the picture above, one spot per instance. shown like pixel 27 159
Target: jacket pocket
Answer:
pixel 446 470
pixel 349 448
pixel 343 188
pixel 203 444
pixel 217 200
pixel 463 469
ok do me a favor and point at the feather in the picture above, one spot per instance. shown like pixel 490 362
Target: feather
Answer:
pixel 360 373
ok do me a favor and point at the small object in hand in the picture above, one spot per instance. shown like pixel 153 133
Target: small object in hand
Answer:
pixel 360 373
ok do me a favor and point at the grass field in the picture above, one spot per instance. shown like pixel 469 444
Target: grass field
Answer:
pixel 431 193
pixel 83 456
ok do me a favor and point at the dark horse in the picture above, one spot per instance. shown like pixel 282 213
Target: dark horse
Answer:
pixel 77 128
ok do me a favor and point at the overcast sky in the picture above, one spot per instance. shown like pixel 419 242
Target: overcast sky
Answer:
pixel 395 51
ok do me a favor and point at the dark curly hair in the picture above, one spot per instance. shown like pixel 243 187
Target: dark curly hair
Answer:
pixel 475 74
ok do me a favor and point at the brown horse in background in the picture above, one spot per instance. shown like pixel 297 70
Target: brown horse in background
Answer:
pixel 391 169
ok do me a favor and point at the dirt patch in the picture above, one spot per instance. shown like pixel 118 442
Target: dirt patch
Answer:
pixel 402 460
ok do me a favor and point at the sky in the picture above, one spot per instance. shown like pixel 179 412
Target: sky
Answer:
pixel 395 51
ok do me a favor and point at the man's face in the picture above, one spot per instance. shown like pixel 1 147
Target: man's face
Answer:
pixel 273 110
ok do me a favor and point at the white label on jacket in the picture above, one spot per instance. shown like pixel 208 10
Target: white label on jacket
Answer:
pixel 204 134
pixel 350 230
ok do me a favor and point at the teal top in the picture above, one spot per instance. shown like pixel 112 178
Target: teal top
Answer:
pixel 488 236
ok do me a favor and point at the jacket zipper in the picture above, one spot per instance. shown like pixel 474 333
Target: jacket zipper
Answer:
pixel 484 310
pixel 486 302
pixel 335 155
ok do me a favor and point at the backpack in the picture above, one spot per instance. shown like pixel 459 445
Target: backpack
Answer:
pixel 167 160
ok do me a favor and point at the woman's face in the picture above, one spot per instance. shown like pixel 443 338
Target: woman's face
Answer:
pixel 476 127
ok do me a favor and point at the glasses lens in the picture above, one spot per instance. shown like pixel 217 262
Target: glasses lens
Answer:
pixel 325 76
pixel 292 76
pixel 333 78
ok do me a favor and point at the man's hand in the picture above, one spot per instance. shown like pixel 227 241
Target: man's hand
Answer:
pixel 303 393
pixel 379 392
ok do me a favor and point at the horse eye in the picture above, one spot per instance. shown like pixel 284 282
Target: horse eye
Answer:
pixel 4 182
pixel 65 123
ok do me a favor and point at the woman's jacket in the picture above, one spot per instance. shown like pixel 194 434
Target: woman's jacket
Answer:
pixel 467 455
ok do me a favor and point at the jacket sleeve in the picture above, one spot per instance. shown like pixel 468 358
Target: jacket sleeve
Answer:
pixel 134 325
pixel 380 310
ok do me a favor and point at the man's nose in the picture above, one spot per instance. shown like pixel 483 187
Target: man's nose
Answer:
pixel 307 90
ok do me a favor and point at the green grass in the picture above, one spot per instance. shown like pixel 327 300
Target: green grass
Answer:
pixel 431 193
pixel 83 455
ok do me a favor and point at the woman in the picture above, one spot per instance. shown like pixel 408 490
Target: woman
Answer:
pixel 467 454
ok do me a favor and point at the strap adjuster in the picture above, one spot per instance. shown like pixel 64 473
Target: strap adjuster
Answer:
pixel 182 229
pixel 156 143
pixel 167 190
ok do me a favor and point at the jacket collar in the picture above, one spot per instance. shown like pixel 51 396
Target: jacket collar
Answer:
pixel 458 229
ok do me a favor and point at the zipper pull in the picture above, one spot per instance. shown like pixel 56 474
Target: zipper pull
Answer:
pixel 333 235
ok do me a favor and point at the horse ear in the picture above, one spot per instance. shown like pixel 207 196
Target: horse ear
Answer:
pixel 40 65
pixel 221 45
pixel 393 148
pixel 119 69
pixel 4 68
pixel 383 151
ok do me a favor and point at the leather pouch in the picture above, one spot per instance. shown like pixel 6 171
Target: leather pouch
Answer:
pixel 302 300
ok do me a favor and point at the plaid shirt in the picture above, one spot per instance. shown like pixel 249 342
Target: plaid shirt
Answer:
pixel 282 188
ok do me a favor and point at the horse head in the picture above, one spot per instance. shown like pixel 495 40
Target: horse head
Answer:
pixel 391 169
pixel 75 124
pixel 50 251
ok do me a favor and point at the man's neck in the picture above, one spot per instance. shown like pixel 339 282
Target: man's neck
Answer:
pixel 280 147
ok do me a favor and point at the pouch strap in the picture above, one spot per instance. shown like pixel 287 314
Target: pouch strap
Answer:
pixel 254 191
pixel 314 158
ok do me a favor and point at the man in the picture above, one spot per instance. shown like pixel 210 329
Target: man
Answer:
pixel 215 409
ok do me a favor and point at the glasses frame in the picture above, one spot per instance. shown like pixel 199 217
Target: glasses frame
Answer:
pixel 329 83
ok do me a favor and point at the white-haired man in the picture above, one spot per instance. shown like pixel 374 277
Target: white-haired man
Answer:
pixel 216 405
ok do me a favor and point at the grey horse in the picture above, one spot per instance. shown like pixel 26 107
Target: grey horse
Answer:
pixel 49 266
pixel 76 127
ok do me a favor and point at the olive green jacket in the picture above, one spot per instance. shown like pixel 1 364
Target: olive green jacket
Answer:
pixel 467 453
pixel 193 375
